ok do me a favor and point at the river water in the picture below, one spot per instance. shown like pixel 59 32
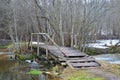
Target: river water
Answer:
pixel 14 70
pixel 110 58
pixel 11 69
pixel 17 70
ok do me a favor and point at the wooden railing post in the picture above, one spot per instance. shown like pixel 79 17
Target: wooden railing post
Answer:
pixel 38 45
pixel 31 41
pixel 47 37
pixel 75 37
pixel 72 40
pixel 46 43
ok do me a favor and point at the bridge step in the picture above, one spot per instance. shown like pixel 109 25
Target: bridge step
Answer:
pixel 81 60
pixel 86 64
pixel 77 63
pixel 72 57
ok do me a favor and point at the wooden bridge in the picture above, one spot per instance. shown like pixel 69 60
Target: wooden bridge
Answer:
pixel 72 57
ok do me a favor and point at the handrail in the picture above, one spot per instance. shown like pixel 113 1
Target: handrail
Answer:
pixel 49 39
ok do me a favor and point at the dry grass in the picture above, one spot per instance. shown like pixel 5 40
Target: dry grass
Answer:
pixel 4 57
pixel 82 74
pixel 113 68
pixel 3 50
pixel 5 65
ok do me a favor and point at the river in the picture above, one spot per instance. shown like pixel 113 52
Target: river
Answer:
pixel 15 70
pixel 110 58
pixel 19 70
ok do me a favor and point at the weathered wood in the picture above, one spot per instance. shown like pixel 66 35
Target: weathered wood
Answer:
pixel 38 48
pixel 74 55
pixel 90 64
pixel 62 59
pixel 81 60
pixel 73 58
pixel 71 66
pixel 69 52
pixel 46 42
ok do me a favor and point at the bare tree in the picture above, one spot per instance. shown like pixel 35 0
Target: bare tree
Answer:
pixel 73 22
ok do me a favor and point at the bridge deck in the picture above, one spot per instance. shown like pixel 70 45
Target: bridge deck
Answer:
pixel 73 58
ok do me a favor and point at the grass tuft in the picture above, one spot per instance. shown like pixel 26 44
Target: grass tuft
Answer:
pixel 35 72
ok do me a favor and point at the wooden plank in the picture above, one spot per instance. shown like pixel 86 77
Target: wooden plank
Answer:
pixel 53 50
pixel 69 64
pixel 90 64
pixel 56 53
pixel 73 53
pixel 68 53
pixel 76 58
pixel 71 50
pixel 73 58
pixel 81 60
pixel 62 59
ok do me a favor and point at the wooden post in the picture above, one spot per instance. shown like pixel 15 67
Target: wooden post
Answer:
pixel 38 45
pixel 53 37
pixel 72 40
pixel 46 43
pixel 51 40
pixel 75 41
pixel 31 41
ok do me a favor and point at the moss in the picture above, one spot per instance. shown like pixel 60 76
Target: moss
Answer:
pixel 35 72
pixel 25 57
pixel 3 46
pixel 114 49
pixel 92 51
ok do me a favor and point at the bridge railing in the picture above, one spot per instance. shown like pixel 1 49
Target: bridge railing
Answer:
pixel 46 42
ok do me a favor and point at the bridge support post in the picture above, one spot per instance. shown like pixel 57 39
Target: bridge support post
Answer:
pixel 46 43
pixel 31 41
pixel 75 38
pixel 38 39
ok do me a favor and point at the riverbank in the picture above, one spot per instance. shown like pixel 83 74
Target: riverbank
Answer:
pixel 103 47
pixel 108 71
pixel 105 72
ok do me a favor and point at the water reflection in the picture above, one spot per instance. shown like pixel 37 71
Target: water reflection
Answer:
pixel 14 70
pixel 5 65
